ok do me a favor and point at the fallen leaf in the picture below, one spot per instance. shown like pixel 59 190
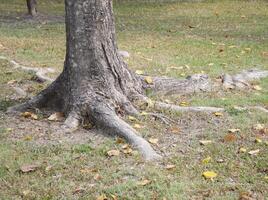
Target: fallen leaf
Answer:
pixel 144 182
pixel 97 177
pixel 143 113
pixel 29 115
pixel 174 130
pixel 28 168
pixel 58 116
pixel 139 72
pixel 148 80
pixel 234 130
pixel 242 150
pixel 131 118
pixel 138 126
pixel 220 160
pixel 258 140
pixel 210 174
pixel 26 192
pixel 205 142
pixel 120 141
pixel 254 152
pixel 127 151
pixel 153 140
pixel 210 64
pixel 247 49
pixel 258 127
pixel 265 53
pixel 184 103
pixel 28 138
pixel 257 87
pixel 11 82
pixel 125 146
pixel 230 137
pixel 78 190
pixel 218 114
pixel 170 166
pixel 206 160
pixel 102 197
pixel 113 153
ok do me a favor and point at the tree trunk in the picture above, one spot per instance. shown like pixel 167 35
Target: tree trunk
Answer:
pixel 95 83
pixel 31 5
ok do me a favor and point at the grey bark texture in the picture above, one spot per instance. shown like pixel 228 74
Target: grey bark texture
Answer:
pixel 95 83
pixel 31 6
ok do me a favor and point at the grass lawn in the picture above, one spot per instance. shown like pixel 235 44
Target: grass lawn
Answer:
pixel 163 38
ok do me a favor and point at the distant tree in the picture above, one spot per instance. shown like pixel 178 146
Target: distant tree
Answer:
pixel 31 5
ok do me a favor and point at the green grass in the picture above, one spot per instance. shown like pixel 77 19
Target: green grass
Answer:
pixel 158 37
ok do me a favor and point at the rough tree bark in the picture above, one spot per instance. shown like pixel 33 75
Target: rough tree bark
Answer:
pixel 31 5
pixel 95 83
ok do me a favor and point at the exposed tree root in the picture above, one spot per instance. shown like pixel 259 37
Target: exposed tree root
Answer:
pixel 242 80
pixel 41 73
pixel 171 107
pixel 168 86
pixel 106 119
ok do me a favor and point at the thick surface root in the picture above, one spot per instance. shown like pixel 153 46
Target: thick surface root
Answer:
pixel 242 80
pixel 107 120
pixel 41 73
pixel 171 107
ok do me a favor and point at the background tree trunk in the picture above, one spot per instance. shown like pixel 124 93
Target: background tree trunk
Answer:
pixel 31 5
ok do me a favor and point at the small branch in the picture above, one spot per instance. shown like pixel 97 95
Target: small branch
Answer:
pixel 162 117
pixel 160 105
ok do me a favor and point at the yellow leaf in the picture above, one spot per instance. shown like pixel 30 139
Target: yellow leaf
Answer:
pixel 206 160
pixel 120 141
pixel 247 49
pixel 148 80
pixel 97 177
pixel 58 116
pixel 137 126
pixel 218 114
pixel 28 138
pixel 205 142
pixel 257 140
pixel 184 103
pixel 102 197
pixel 127 151
pixel 131 118
pixel 125 146
pixel 233 130
pixel 113 153
pixel 144 182
pixel 170 166
pixel 257 87
pixel 153 140
pixel 29 115
pixel 254 152
pixel 139 72
pixel 174 130
pixel 210 174
pixel 258 127
pixel 26 192
pixel 143 113
pixel 210 64
pixel 11 82
pixel 242 150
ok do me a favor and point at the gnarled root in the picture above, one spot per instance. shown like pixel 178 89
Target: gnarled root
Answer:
pixel 243 79
pixel 107 120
